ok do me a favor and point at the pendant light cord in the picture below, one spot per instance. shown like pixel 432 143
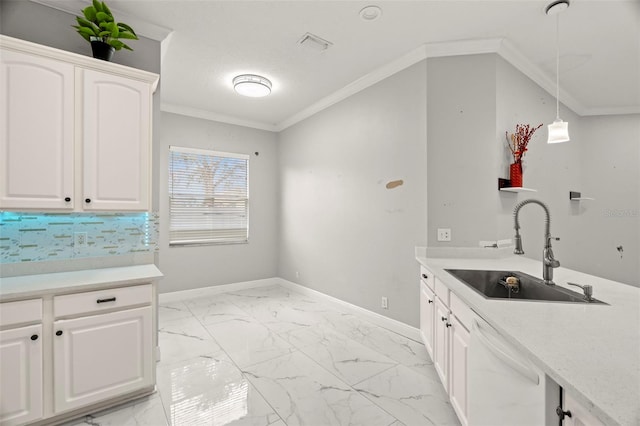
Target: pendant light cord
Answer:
pixel 558 66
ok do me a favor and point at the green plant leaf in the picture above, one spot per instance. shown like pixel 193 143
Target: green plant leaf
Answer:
pixel 103 17
pixel 127 47
pixel 128 28
pixel 88 31
pixel 84 36
pixel 117 44
pixel 89 12
pixel 127 35
pixel 105 25
pixel 106 9
pixel 115 31
pixel 84 23
pixel 105 34
pixel 97 6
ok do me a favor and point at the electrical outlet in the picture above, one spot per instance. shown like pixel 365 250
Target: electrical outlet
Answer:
pixel 79 239
pixel 385 303
pixel 444 234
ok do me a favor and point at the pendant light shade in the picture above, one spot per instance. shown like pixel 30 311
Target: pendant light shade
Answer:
pixel 558 130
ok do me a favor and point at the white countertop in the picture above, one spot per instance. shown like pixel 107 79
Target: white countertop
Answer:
pixel 30 286
pixel 591 350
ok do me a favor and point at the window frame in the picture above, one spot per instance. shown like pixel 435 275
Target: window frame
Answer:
pixel 201 240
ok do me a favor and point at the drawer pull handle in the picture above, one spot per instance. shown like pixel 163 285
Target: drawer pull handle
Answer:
pixel 109 299
pixel 425 276
pixel 34 337
pixel 59 333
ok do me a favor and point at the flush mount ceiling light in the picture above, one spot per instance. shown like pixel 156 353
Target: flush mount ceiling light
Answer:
pixel 254 86
pixel 370 13
pixel 558 130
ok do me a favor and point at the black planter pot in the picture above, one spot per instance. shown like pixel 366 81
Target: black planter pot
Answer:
pixel 102 50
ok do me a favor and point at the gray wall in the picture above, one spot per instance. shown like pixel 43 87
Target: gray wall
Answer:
pixel 342 232
pixel 472 101
pixel 187 267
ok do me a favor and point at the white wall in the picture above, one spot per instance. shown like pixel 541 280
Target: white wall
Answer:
pixel 610 157
pixel 461 116
pixel 187 267
pixel 342 231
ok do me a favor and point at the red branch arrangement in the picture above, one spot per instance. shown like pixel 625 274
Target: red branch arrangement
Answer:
pixel 519 140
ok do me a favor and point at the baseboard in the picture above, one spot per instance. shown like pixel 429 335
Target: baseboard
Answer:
pixel 179 296
pixel 389 323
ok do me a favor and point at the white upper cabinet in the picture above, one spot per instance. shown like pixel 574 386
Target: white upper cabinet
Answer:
pixel 36 125
pixel 116 142
pixel 75 131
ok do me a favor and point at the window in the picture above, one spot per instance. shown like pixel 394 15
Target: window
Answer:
pixel 209 196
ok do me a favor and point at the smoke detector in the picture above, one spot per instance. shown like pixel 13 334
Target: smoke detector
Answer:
pixel 370 13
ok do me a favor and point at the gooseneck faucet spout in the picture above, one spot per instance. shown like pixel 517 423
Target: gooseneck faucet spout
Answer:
pixel 548 261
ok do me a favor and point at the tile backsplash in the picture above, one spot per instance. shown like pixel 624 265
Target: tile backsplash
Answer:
pixel 35 237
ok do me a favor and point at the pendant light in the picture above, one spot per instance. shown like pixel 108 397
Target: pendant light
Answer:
pixel 558 130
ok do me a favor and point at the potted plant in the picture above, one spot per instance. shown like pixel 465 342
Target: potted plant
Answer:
pixel 99 28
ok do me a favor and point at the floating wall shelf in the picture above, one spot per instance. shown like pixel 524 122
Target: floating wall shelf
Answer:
pixel 576 196
pixel 518 189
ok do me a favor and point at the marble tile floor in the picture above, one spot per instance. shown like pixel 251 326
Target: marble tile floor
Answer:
pixel 270 356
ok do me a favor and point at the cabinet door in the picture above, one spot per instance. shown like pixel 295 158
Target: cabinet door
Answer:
pixel 116 142
pixel 441 343
pixel 460 338
pixel 101 356
pixel 21 375
pixel 36 132
pixel 580 416
pixel 427 312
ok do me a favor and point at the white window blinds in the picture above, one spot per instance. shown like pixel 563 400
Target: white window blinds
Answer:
pixel 209 196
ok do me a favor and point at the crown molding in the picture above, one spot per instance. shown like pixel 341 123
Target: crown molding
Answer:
pixel 142 27
pixel 213 116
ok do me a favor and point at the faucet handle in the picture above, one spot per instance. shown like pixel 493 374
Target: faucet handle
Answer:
pixel 586 289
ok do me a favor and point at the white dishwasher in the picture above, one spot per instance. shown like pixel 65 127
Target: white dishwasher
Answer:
pixel 504 387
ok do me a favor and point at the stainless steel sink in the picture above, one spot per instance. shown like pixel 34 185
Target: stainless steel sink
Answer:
pixel 491 284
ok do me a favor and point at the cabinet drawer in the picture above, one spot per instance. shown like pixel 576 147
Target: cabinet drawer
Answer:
pixel 96 301
pixel 461 311
pixel 442 291
pixel 428 277
pixel 20 312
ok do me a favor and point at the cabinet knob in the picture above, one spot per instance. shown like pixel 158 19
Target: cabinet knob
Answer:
pixel 87 200
pixel 561 414
pixel 425 276
pixel 59 333
pixel 67 199
pixel 430 301
pixel 448 324
pixel 443 319
pixel 34 337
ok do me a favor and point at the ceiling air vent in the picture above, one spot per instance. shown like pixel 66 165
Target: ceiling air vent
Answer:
pixel 314 42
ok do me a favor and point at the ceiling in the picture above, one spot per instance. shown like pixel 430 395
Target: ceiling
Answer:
pixel 206 43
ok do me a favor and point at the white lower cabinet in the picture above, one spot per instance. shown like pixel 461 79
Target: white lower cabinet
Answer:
pixel 20 375
pixel 101 356
pixel 445 322
pixel 580 416
pixel 441 342
pixel 65 355
pixel 460 339
pixel 427 312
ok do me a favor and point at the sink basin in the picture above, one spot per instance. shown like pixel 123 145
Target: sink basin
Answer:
pixel 488 284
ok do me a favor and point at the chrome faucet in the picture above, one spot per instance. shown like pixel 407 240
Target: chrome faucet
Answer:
pixel 548 261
